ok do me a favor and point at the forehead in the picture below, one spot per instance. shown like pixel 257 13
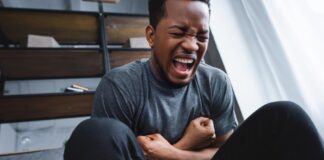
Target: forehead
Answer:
pixel 187 12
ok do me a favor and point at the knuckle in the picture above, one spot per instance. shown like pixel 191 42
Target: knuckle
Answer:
pixel 210 133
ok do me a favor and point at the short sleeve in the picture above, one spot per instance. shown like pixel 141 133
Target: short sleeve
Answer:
pixel 223 106
pixel 112 101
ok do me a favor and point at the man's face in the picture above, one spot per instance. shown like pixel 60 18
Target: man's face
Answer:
pixel 179 41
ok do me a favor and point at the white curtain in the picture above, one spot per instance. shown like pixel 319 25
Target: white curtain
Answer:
pixel 273 50
pixel 291 35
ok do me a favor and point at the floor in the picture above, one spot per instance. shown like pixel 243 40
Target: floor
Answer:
pixel 53 154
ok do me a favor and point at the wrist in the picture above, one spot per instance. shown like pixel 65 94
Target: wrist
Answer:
pixel 182 145
pixel 176 154
pixel 180 154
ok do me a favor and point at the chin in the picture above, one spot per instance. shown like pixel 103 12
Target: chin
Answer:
pixel 180 82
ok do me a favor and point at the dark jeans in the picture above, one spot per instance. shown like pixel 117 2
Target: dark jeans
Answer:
pixel 277 131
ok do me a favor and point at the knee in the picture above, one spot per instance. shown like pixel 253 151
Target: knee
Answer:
pixel 283 106
pixel 286 109
pixel 100 127
pixel 92 136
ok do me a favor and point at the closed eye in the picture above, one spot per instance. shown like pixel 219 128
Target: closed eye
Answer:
pixel 202 38
pixel 177 34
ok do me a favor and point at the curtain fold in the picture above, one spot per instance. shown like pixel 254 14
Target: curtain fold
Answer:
pixel 290 35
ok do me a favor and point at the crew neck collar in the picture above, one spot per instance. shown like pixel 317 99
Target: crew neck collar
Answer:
pixel 158 82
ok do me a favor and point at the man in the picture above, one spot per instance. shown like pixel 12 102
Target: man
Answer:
pixel 174 107
pixel 164 94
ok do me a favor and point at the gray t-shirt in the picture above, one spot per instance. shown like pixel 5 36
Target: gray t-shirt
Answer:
pixel 133 95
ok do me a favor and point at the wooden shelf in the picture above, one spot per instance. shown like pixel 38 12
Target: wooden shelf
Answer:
pixel 65 27
pixel 68 27
pixel 50 63
pixel 45 106
pixel 120 57
pixel 120 28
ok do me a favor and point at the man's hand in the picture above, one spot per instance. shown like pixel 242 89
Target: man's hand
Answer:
pixel 199 142
pixel 155 147
pixel 199 134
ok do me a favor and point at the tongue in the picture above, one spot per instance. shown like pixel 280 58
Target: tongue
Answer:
pixel 181 66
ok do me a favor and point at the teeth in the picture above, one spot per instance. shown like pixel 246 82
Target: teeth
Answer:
pixel 184 60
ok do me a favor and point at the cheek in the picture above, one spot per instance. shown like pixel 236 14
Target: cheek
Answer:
pixel 167 50
pixel 202 49
pixel 162 57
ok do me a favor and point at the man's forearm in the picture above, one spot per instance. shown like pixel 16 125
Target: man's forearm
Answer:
pixel 186 144
pixel 204 154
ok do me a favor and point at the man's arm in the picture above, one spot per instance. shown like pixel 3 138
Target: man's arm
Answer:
pixel 157 148
pixel 208 151
pixel 198 142
pixel 199 134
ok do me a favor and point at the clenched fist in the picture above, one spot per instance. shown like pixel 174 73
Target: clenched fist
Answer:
pixel 156 147
pixel 199 134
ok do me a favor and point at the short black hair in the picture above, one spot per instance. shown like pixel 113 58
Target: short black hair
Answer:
pixel 157 10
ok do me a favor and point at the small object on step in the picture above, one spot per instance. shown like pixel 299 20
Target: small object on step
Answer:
pixel 41 41
pixel 76 88
pixel 80 87
pixel 71 89
pixel 137 42
pixel 104 1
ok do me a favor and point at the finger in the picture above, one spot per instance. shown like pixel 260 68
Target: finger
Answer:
pixel 140 138
pixel 205 122
pixel 200 119
pixel 143 139
pixel 212 124
pixel 144 142
pixel 214 136
pixel 153 136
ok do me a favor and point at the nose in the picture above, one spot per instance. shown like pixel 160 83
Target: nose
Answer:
pixel 190 44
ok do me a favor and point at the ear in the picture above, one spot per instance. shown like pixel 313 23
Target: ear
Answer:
pixel 150 34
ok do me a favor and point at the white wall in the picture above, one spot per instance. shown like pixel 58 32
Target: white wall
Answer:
pixel 235 44
pixel 236 41
pixel 36 135
pixel 7 138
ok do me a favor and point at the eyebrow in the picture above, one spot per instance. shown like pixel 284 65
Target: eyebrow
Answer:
pixel 183 27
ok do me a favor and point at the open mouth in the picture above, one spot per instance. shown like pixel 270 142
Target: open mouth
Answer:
pixel 183 64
